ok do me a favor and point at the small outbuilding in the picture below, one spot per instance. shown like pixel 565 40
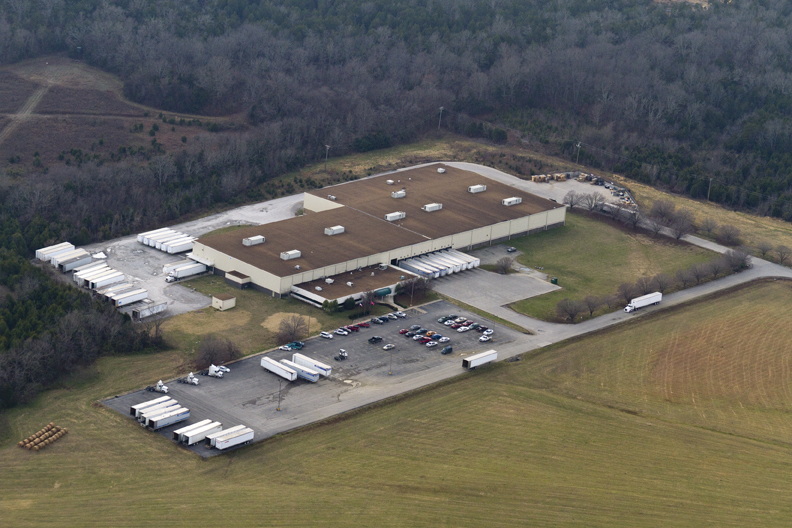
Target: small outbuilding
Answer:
pixel 223 301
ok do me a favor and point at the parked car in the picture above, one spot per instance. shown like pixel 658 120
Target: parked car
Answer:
pixel 363 325
pixel 341 332
pixel 511 249
pixel 421 331
pixel 481 329
pixel 452 316
pixel 376 320
pixel 450 322
pixel 455 326
pixel 463 329
pixel 392 316
pixel 488 332
pixel 400 315
pixel 430 333
pixel 431 344
pixel 285 348
pixel 415 327
pixel 443 319
pixel 484 339
pixel 424 340
pixel 384 319
pixel 437 337
pixel 474 326
pixel 417 337
pixel 352 328
pixel 403 331
pixel 298 345
pixel 447 350
pixel 326 335
pixel 389 346
pixel 444 339
pixel 224 369
pixel 375 339
pixel 409 334
pixel 460 319
pixel 468 323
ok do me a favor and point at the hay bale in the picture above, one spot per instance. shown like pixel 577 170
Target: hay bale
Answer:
pixel 28 446
pixel 21 444
pixel 35 448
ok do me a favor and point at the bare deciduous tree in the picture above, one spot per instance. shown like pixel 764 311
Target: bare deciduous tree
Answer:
pixel 684 277
pixel 611 301
pixel 644 285
pixel 592 303
pixel 698 272
pixel 662 282
pixel 655 225
pixel 716 267
pixel 593 201
pixel 764 247
pixel 708 226
pixel 682 223
pixel 572 199
pixel 664 211
pixel 503 265
pixel 569 310
pixel 738 259
pixel 782 254
pixel 292 328
pixel 626 291
pixel 214 350
pixel 728 235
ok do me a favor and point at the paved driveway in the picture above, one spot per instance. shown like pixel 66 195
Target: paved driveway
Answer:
pixel 489 291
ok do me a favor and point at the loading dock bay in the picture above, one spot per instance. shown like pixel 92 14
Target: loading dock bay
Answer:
pixel 249 395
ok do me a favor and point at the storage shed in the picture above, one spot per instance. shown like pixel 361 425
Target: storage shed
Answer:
pixel 223 301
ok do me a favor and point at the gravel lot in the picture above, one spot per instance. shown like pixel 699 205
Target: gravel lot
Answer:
pixel 249 394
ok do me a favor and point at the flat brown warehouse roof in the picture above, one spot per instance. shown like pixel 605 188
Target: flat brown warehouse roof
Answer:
pixel 364 236
pixel 362 280
pixel 462 210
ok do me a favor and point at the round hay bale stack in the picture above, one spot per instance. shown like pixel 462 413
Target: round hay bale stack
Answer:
pixel 52 424
pixel 28 446
pixel 35 448
pixel 21 444
pixel 65 430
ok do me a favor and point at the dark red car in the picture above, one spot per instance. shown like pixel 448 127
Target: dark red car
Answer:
pixel 363 325
pixel 403 331
pixel 424 340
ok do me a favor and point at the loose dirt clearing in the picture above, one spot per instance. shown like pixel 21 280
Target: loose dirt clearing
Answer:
pixel 272 323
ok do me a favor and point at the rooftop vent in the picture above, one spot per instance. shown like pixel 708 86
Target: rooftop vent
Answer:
pixel 297 267
pixel 441 170
pixel 477 188
pixel 254 240
pixel 350 284
pixel 331 197
pixel 514 200
pixel 329 281
pixel 432 207
pixel 289 255
pixel 335 230
pixel 318 288
pixel 389 182
pixel 398 215
pixel 399 194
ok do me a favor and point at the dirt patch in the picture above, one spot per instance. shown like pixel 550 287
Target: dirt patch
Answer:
pixel 14 91
pixel 272 322
pixel 65 100
pixel 208 321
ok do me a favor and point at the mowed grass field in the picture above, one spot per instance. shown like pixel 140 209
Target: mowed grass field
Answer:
pixel 584 433
pixel 590 256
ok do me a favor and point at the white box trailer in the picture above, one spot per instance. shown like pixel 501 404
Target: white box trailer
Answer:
pixel 158 422
pixel 167 268
pixel 148 311
pixel 181 246
pixel 417 268
pixel 98 275
pixel 155 409
pixel 178 432
pixel 443 268
pixel 456 265
pixel 243 436
pixel 479 359
pixel 186 271
pixel 107 280
pixel 474 262
pixel 175 236
pixel 114 291
pixel 63 257
pixel 44 254
pixel 165 244
pixel 305 373
pixel 210 439
pixel 91 274
pixel 141 236
pixel 129 297
pixel 78 275
pixel 196 435
pixel 644 300
pixel 276 368
pixel 438 269
pixel 75 262
pixel 87 267
pixel 151 240
pixel 322 368
pixel 145 417
pixel 133 410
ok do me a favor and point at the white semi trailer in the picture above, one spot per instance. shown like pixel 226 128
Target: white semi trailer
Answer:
pixel 142 236
pixel 276 368
pixel 322 368
pixel 75 262
pixel 129 297
pixel 147 311
pixel 164 420
pixel 479 359
pixel 45 254
pixel 185 271
pixel 181 246
pixel 243 436
pixel 177 434
pixel 210 439
pixel 196 435
pixel 155 409
pixel 107 280
pixel 133 410
pixel 79 276
pixel 644 300
pixel 302 372
pixel 167 268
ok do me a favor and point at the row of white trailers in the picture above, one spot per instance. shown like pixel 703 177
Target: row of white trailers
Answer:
pixel 108 284
pixel 161 412
pixel 167 240
pixel 299 366
pixel 440 263
pixel 64 256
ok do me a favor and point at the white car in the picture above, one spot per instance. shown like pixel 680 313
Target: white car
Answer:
pixel 341 332
pixel 484 339
pixel 431 344
pixel 488 332
pixel 285 348
pixel 463 329
pixel 400 315
pixel 444 339
pixel 326 335
pixel 418 337
pixel 449 322
pixel 389 346
pixel 221 368
pixel 392 316
pixel 460 319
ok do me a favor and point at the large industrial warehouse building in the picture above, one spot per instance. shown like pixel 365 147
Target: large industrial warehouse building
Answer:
pixel 378 221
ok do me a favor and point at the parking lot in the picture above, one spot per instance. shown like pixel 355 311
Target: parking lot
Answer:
pixel 249 395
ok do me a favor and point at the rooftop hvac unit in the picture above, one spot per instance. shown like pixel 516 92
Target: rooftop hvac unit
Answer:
pixel 254 240
pixel 399 194
pixel 441 170
pixel 514 200
pixel 331 197
pixel 389 182
pixel 432 207
pixel 477 188
pixel 318 288
pixel 398 215
pixel 335 230
pixel 297 267
pixel 350 284
pixel 329 281
pixel 289 255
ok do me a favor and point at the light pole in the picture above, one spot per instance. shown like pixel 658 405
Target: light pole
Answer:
pixel 709 189
pixel 327 153
pixel 390 369
pixel 577 161
pixel 280 382
pixel 441 117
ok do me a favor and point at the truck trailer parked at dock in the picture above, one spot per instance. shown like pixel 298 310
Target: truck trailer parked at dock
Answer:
pixel 243 436
pixel 170 418
pixel 177 434
pixel 193 436
pixel 210 439
pixel 133 410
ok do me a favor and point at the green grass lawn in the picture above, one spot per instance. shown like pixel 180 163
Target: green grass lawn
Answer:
pixel 544 441
pixel 592 257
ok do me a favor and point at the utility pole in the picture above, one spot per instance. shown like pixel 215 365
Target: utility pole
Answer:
pixel 441 117
pixel 709 189
pixel 327 153
pixel 280 382
pixel 577 161
pixel 390 369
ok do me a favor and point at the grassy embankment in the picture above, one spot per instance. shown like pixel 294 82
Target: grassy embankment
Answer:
pixel 590 256
pixel 678 419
